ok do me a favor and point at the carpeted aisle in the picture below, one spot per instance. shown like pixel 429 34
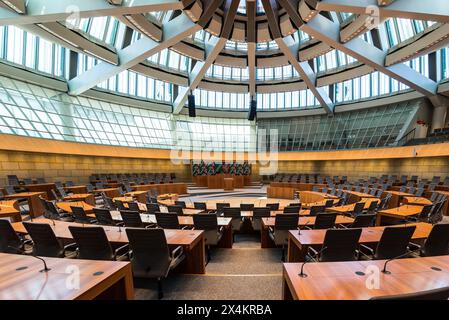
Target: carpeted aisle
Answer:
pixel 245 272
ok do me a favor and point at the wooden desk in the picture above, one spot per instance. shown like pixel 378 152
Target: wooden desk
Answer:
pixel 65 206
pixel 109 192
pixel 42 187
pixel 114 282
pixel 34 203
pixel 10 209
pixel 225 242
pixel 396 197
pixel 191 240
pixel 140 196
pixel 314 197
pixel 265 240
pixel 76 189
pixel 281 192
pixel 338 280
pixel 298 244
pixel 350 207
pixel 401 212
pixel 235 202
pixel 417 201
pixel 355 196
pixel 84 197
pixel 298 186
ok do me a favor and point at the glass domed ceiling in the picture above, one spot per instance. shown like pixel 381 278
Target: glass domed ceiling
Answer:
pixel 287 54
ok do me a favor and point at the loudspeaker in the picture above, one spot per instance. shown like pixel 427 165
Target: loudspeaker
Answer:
pixel 192 110
pixel 252 110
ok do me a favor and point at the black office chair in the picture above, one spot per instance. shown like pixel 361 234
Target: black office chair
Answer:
pixel 236 216
pixel 273 206
pixel 282 224
pixel 200 206
pixel 182 204
pixel 10 190
pixel 434 196
pixel 292 209
pixel 93 244
pixel 437 243
pixel 436 215
pixel 104 217
pixel 329 203
pixel 212 233
pixel 325 221
pixel 120 205
pixel 358 209
pixel 45 243
pixel 10 241
pixel 258 214
pixel 80 215
pixel 315 210
pixel 132 219
pixel 246 207
pixel 435 294
pixel 133 206
pixel 363 221
pixel 372 206
pixel 52 212
pixel 152 208
pixel 393 243
pixel 220 207
pixel 338 245
pixel 176 209
pixel 167 220
pixel 151 256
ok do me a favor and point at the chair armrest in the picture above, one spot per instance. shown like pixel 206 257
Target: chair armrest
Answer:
pixel 308 228
pixel 221 229
pixel 362 246
pixel 177 252
pixel 187 228
pixel 414 246
pixel 120 224
pixel 312 254
pixel 151 226
pixel 122 248
pixel 71 245
pixel 342 226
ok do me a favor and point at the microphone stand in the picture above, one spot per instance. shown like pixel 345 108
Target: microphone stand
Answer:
pixel 304 275
pixel 46 269
pixel 385 271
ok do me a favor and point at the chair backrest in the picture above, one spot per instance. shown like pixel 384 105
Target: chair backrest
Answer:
pixel 200 206
pixel 9 240
pixel 437 243
pixel 167 220
pixel 92 243
pixel 435 294
pixel 373 206
pixel 131 219
pixel 315 210
pixel 340 245
pixel 325 220
pixel 233 212
pixel 205 221
pixel 119 204
pixel 89 188
pixel 246 206
pixel 394 242
pixel 425 213
pixel 27 181
pixel 13 180
pixel 182 204
pixel 358 208
pixel 286 221
pixel 403 189
pixel 104 217
pixel 133 206
pixel 437 212
pixel 61 191
pixel 329 203
pixel 45 243
pixel 69 183
pixel 221 206
pixel 10 189
pixel 150 253
pixel 261 212
pixel 292 209
pixel 55 195
pixel 79 214
pixel 177 209
pixel 364 220
pixel 434 196
pixel 419 192
pixel 273 206
pixel 152 208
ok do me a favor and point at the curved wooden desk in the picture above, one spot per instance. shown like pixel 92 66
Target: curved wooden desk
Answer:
pixel 76 189
pixel 417 201
pixel 65 206
pixel 34 203
pixel 85 197
pixel 10 209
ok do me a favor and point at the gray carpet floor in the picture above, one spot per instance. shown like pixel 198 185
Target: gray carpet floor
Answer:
pixel 245 272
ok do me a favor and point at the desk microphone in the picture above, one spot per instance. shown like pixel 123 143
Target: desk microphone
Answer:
pixel 21 251
pixel 302 274
pixel 305 225
pixel 384 270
